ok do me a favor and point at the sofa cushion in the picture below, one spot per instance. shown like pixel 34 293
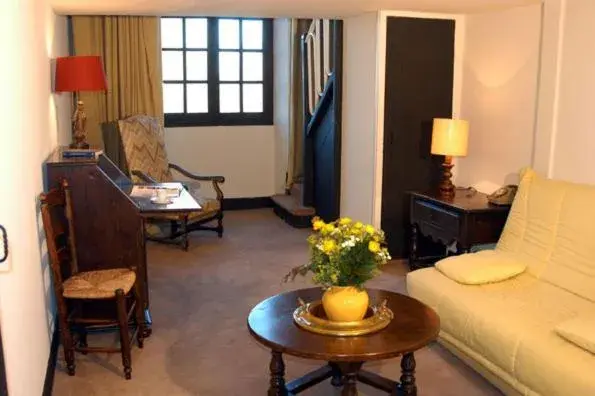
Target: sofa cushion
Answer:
pixel 487 266
pixel 504 321
pixel 580 331
pixel 551 228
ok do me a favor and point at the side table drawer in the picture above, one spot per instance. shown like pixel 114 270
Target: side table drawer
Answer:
pixel 435 216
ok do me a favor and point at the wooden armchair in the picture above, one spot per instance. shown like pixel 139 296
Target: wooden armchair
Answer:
pixel 146 159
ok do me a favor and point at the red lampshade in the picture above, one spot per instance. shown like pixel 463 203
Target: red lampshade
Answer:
pixel 80 73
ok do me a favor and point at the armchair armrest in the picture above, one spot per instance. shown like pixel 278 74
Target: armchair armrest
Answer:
pixel 143 176
pixel 216 179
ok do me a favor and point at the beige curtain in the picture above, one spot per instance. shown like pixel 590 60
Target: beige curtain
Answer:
pixel 131 51
pixel 295 165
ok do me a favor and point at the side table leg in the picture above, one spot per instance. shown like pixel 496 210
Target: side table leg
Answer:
pixel 407 385
pixel 277 368
pixel 413 247
pixel 349 371
pixel 337 379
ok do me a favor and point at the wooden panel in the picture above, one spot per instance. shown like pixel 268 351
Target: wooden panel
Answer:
pixel 107 224
pixel 419 85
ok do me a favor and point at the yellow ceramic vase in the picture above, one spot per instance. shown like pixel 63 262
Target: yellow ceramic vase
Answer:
pixel 345 303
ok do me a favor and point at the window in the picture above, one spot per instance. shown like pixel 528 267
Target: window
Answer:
pixel 217 71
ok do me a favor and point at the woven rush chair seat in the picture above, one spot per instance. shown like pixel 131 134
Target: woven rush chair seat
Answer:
pixel 99 284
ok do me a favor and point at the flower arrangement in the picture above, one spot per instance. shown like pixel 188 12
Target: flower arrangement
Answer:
pixel 343 253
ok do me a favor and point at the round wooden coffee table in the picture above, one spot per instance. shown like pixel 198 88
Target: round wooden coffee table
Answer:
pixel 414 326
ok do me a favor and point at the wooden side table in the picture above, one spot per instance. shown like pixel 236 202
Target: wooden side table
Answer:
pixel 414 326
pixel 467 219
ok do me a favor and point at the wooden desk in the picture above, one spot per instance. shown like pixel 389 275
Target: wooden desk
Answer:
pixel 467 219
pixel 108 222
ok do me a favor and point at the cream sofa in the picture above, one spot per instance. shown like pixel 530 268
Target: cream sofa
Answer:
pixel 505 330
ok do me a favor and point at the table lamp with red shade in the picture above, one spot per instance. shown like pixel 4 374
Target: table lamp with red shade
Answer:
pixel 78 74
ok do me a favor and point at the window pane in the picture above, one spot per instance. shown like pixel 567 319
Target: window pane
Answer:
pixel 252 34
pixel 197 98
pixel 173 98
pixel 196 33
pixel 229 34
pixel 172 65
pixel 252 66
pixel 229 98
pixel 196 65
pixel 252 96
pixel 171 33
pixel 229 66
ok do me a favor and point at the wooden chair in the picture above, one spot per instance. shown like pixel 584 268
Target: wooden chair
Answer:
pixel 74 289
pixel 145 158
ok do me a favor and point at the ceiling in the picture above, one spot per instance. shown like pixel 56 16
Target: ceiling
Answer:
pixel 275 8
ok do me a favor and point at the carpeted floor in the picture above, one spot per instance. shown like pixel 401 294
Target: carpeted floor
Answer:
pixel 200 300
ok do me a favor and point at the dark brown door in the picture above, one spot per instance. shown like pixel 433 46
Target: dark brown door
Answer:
pixel 419 87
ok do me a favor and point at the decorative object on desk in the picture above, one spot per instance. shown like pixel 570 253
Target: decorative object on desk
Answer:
pixel 77 74
pixel 450 139
pixel 503 196
pixel 344 255
pixel 81 153
pixel 312 317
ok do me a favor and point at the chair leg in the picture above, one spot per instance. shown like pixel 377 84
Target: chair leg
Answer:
pixel 67 342
pixel 140 315
pixel 124 336
pixel 220 224
pixel 173 228
pixel 83 339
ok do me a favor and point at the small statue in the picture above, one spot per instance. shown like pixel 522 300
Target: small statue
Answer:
pixel 79 121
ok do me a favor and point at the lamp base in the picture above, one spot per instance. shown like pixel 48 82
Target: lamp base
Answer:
pixel 446 188
pixel 79 122
pixel 79 145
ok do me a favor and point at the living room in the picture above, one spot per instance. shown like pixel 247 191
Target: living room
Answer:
pixel 521 79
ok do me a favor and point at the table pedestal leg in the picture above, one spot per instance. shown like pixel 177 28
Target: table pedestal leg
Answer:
pixel 349 371
pixel 407 385
pixel 337 379
pixel 277 368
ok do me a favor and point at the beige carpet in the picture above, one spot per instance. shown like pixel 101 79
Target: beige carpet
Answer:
pixel 200 300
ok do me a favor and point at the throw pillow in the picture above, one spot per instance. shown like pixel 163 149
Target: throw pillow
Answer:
pixel 487 266
pixel 580 331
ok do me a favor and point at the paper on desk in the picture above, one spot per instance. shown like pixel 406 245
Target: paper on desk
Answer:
pixel 151 191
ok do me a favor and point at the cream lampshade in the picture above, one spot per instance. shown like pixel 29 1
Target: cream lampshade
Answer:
pixel 449 138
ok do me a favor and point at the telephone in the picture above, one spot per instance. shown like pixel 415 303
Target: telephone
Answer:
pixel 503 196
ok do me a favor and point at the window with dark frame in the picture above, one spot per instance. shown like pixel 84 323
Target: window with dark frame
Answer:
pixel 217 71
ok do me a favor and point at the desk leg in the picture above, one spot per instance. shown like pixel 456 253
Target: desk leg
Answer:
pixel 277 368
pixel 413 246
pixel 349 371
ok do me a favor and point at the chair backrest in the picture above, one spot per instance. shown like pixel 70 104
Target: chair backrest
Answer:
pixel 144 146
pixel 56 211
pixel 551 226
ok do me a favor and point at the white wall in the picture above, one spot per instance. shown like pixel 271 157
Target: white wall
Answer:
pixel 565 139
pixel 282 94
pixel 359 116
pixel 245 155
pixel 499 92
pixel 34 122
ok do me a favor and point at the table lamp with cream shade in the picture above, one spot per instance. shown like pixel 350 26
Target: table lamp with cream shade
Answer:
pixel 450 139
pixel 78 74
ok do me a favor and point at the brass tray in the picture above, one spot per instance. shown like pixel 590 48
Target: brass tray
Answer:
pixel 311 317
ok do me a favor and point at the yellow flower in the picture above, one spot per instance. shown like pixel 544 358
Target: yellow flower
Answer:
pixel 328 246
pixel 358 224
pixel 317 224
pixel 345 221
pixel 374 246
pixel 370 230
pixel 328 228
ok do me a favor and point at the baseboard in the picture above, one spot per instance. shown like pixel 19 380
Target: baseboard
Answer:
pixel 48 384
pixel 247 203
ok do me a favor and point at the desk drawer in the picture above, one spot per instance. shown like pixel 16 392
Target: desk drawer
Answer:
pixel 436 216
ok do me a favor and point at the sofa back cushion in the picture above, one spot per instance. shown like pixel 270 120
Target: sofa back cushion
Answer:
pixel 551 226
